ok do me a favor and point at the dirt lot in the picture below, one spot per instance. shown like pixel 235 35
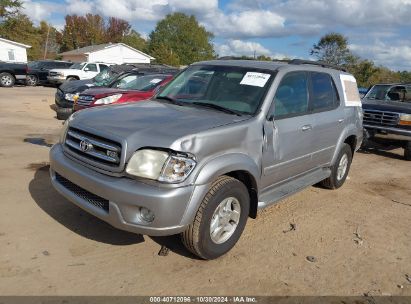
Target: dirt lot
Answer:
pixel 50 247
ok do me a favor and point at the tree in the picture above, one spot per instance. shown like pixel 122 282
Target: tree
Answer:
pixel 50 37
pixel 19 28
pixel 135 40
pixel 9 8
pixel 332 48
pixel 184 39
pixel 363 71
pixel 81 31
pixel 116 29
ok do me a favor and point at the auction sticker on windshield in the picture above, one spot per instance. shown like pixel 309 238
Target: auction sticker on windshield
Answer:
pixel 351 94
pixel 255 79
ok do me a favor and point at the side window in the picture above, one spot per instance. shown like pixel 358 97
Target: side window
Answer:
pixel 103 67
pixel 291 98
pixel 323 92
pixel 91 67
pixel 407 97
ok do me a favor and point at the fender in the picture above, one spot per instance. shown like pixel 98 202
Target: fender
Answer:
pixel 210 171
pixel 350 130
pixel 226 163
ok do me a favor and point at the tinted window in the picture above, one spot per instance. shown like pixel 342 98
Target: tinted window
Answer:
pixel 323 93
pixel 91 67
pixel 103 67
pixel 291 98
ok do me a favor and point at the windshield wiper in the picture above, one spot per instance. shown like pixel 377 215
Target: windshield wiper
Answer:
pixel 171 100
pixel 217 107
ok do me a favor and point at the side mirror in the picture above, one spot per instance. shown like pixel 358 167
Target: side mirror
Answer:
pixel 86 69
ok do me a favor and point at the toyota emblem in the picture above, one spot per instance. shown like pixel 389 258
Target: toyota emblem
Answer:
pixel 85 145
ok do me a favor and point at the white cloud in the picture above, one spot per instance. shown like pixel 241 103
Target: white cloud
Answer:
pixel 38 11
pixel 196 6
pixel 237 47
pixel 397 57
pixel 79 7
pixel 251 23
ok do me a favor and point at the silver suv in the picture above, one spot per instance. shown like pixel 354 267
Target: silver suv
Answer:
pixel 222 140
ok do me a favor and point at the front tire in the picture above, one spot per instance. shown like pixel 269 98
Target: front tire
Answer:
pixel 339 171
pixel 7 80
pixel 220 219
pixel 407 150
pixel 31 80
pixel 71 78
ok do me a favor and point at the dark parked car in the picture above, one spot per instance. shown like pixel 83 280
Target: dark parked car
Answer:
pixel 37 71
pixel 387 115
pixel 12 72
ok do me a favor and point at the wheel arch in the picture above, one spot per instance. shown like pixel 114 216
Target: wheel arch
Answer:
pixel 238 166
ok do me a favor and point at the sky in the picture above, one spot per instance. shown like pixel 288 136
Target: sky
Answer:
pixel 379 30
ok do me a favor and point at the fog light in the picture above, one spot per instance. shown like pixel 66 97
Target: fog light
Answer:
pixel 146 214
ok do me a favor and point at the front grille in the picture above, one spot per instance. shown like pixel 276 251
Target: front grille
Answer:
pixel 381 118
pixel 93 147
pixel 85 100
pixel 82 193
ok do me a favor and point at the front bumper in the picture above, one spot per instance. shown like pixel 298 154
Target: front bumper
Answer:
pixel 387 133
pixel 56 79
pixel 172 207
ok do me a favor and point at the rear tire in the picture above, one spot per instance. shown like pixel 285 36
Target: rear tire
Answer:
pixel 339 171
pixel 31 80
pixel 407 150
pixel 7 80
pixel 219 220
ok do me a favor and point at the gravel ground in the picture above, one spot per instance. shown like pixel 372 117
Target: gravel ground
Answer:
pixel 352 241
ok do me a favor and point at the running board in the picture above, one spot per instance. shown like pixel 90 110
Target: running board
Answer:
pixel 295 185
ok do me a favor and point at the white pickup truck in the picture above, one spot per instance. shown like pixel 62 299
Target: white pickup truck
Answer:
pixel 84 70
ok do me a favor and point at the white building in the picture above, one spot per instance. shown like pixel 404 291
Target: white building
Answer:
pixel 11 51
pixel 110 53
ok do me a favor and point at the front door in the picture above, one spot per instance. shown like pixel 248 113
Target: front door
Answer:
pixel 288 132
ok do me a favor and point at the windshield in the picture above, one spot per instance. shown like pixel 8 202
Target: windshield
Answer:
pixel 77 66
pixel 104 78
pixel 384 92
pixel 139 82
pixel 238 89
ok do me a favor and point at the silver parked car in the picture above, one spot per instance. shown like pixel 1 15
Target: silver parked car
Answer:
pixel 222 140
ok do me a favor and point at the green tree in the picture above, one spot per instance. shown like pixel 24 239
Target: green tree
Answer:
pixel 135 40
pixel 332 48
pixel 185 40
pixel 9 8
pixel 19 28
pixel 363 71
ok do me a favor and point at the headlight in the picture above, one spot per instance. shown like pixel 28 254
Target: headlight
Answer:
pixel 70 96
pixel 160 165
pixel 108 99
pixel 405 119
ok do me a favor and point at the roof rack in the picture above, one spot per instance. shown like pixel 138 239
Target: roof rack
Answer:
pixel 318 63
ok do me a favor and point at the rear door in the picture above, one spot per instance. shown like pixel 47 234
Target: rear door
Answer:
pixel 288 137
pixel 328 118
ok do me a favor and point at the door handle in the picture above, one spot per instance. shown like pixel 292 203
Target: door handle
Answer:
pixel 306 128
pixel 341 120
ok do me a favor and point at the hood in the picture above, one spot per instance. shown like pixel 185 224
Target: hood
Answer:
pixel 76 86
pixel 390 106
pixel 151 123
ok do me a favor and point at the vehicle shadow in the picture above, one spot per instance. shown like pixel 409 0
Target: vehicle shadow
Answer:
pixel 71 216
pixel 174 243
pixel 381 150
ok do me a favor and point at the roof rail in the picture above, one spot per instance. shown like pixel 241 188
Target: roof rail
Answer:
pixel 318 63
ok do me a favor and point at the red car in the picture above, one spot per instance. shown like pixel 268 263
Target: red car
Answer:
pixel 130 87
